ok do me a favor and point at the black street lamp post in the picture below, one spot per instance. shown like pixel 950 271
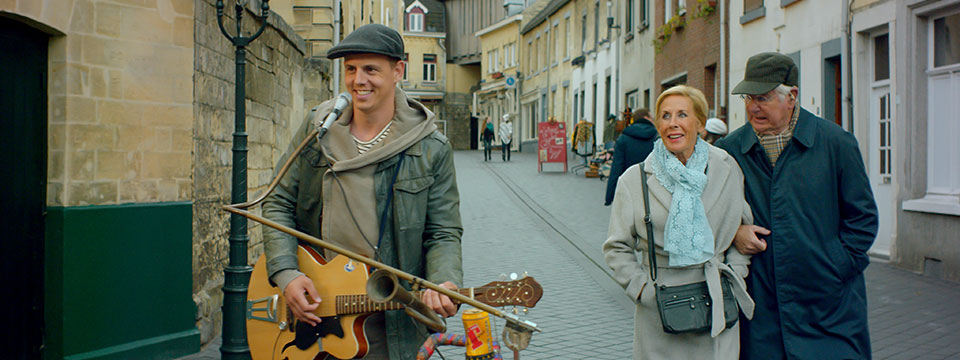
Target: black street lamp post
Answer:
pixel 237 272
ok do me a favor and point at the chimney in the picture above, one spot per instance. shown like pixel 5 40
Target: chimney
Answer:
pixel 513 7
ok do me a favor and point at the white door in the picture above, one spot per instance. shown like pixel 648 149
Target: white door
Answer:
pixel 881 163
pixel 881 167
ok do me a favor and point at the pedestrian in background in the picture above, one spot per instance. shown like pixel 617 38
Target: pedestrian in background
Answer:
pixel 696 205
pixel 714 130
pixel 633 145
pixel 811 199
pixel 487 138
pixel 506 137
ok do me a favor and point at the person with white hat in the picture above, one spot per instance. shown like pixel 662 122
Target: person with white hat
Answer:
pixel 715 130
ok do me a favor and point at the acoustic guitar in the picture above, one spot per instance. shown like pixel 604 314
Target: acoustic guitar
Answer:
pixel 274 333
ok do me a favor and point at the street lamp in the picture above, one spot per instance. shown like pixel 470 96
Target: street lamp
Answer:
pixel 237 272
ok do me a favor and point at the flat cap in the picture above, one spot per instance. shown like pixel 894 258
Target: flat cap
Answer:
pixel 766 71
pixel 370 38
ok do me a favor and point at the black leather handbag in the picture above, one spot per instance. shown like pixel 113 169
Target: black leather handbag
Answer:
pixel 684 308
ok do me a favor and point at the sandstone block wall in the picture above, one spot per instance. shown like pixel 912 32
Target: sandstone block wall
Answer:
pixel 281 85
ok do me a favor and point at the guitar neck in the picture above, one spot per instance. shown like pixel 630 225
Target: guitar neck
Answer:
pixel 361 303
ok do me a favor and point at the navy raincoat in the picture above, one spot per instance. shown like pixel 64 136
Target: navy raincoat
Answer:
pixel 808 285
pixel 633 146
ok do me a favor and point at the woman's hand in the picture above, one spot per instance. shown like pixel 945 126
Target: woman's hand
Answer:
pixel 747 241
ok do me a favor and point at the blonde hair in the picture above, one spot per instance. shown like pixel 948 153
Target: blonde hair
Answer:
pixel 693 94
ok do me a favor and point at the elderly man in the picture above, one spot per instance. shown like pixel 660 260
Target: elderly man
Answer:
pixel 380 183
pixel 815 218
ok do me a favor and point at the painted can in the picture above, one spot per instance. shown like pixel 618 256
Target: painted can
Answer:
pixel 479 339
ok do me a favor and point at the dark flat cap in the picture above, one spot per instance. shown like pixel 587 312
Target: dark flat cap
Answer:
pixel 766 71
pixel 370 38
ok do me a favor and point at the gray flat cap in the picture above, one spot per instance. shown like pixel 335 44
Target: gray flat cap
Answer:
pixel 766 71
pixel 370 38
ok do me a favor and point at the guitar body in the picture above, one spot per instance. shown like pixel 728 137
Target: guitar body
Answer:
pixel 266 338
pixel 274 334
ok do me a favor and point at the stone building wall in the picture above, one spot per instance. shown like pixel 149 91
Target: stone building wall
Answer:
pixel 280 87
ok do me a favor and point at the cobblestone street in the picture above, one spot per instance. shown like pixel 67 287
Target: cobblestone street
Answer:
pixel 552 224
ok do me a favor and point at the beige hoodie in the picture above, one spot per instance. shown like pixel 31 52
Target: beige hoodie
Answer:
pixel 348 185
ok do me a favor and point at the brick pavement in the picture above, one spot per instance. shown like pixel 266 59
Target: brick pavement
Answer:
pixel 551 225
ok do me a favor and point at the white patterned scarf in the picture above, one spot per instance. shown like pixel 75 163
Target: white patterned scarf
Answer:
pixel 687 236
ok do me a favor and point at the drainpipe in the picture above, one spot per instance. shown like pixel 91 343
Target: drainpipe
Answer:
pixel 336 40
pixel 723 62
pixel 846 45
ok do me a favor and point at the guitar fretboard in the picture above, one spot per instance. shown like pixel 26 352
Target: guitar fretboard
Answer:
pixel 361 303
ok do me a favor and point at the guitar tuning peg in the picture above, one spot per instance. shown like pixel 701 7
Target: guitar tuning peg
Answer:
pixel 515 311
pixel 525 274
pixel 513 276
pixel 503 277
pixel 525 311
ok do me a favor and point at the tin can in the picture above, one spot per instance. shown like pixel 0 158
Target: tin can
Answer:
pixel 479 340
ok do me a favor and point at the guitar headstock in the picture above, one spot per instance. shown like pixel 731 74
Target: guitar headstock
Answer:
pixel 521 292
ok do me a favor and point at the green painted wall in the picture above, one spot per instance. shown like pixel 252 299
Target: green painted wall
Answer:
pixel 118 282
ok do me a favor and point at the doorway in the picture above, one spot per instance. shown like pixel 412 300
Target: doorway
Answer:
pixel 881 144
pixel 23 98
pixel 474 133
pixel 832 91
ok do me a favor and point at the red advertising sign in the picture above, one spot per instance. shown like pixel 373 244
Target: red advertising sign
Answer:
pixel 551 144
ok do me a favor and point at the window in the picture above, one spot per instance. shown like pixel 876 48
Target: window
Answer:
pixel 943 86
pixel 576 98
pixel 496 60
pixel 632 99
pixel 583 33
pixel 429 67
pixel 530 53
pixel 628 17
pixel 596 24
pixel 881 57
pixel 681 7
pixel 554 42
pixel 752 10
pixel 568 40
pixel 646 99
pixel 415 22
pixel 667 10
pixel 606 97
pixel 406 65
pixel 749 5
pixel 513 54
pixel 946 41
pixel 644 21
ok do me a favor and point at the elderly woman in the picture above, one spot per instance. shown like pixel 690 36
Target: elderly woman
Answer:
pixel 696 205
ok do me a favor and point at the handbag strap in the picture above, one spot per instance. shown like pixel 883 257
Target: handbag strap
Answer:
pixel 651 253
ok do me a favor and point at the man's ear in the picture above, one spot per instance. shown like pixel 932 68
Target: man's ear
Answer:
pixel 398 69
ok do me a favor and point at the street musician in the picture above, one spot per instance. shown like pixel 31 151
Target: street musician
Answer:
pixel 381 182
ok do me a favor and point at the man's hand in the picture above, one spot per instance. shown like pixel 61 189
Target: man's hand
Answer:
pixel 440 303
pixel 296 295
pixel 746 239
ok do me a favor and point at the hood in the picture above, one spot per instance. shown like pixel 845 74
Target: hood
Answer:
pixel 642 130
pixel 411 122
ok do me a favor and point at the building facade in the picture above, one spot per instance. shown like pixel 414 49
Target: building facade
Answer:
pixel 924 46
pixel 424 35
pixel 464 18
pixel 688 49
pixel 498 93
pixel 129 111
pixel 637 26
pixel 596 65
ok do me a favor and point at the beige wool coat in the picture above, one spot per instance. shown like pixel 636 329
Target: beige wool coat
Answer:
pixel 625 253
